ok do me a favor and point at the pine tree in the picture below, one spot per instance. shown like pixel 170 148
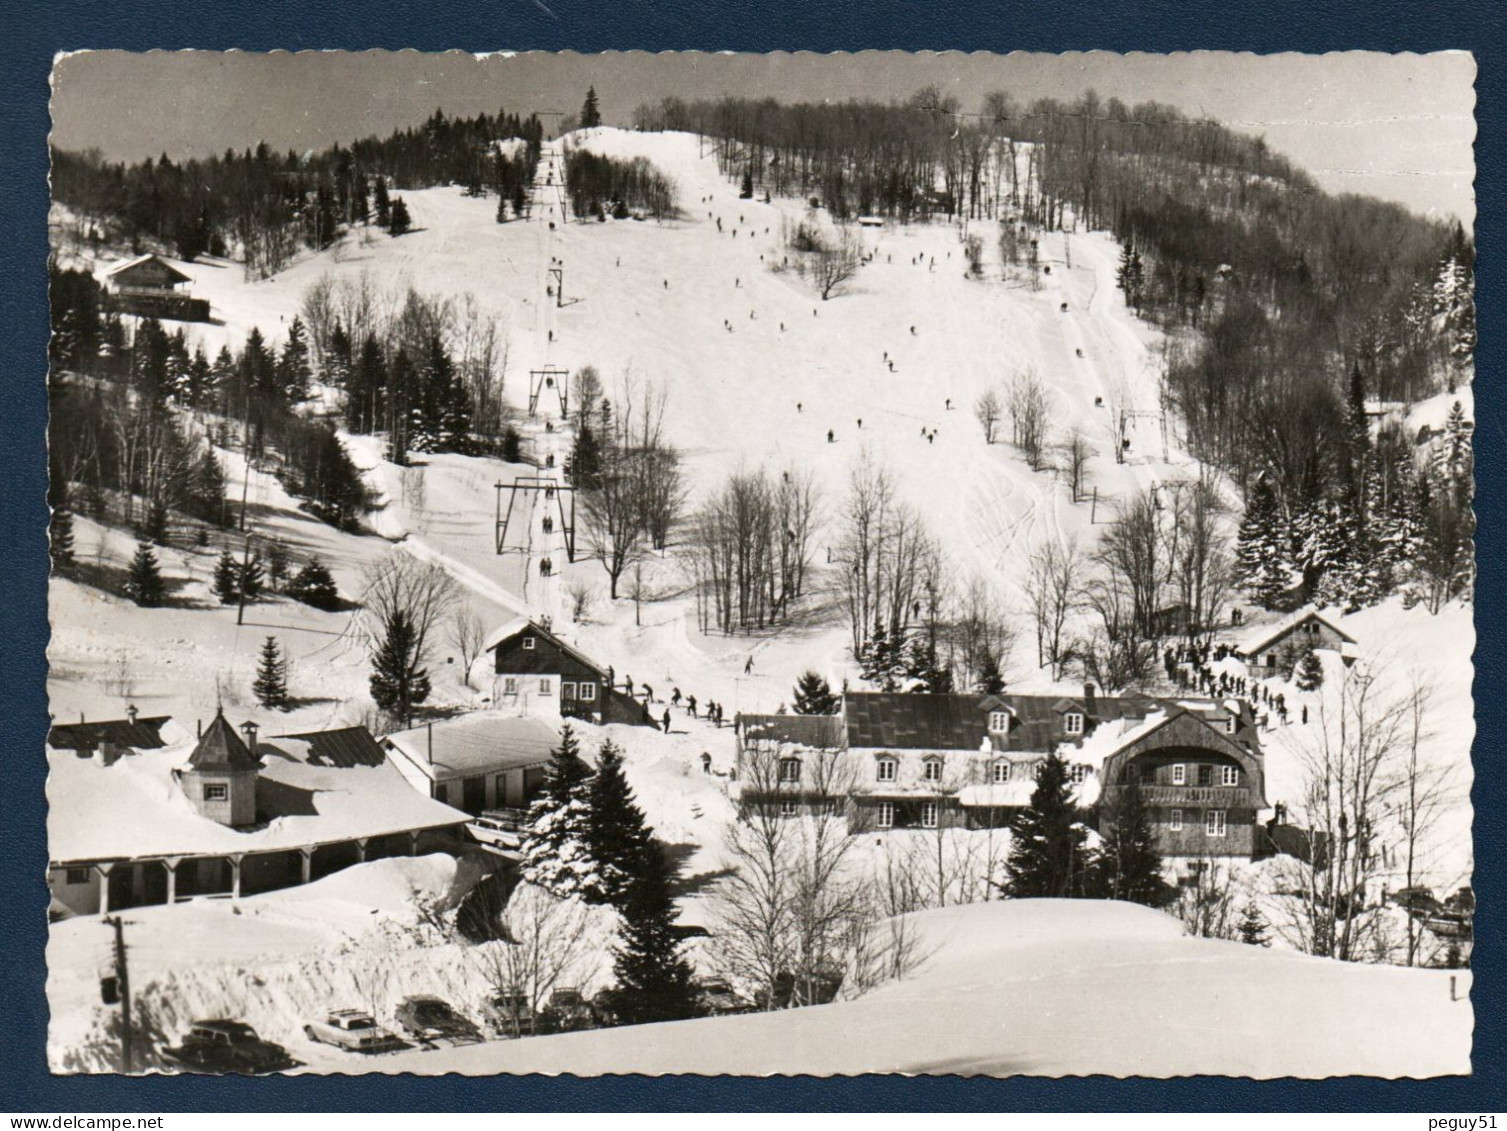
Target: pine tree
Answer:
pixel 1047 857
pixel 271 684
pixel 653 976
pixel 745 191
pixel 294 369
pixel 1127 865
pixel 1310 672
pixel 251 578
pixel 520 201
pixel 585 459
pixel 556 856
pixel 398 684
pixel 144 581
pixel 314 586
pixel 881 661
pixel 398 220
pixel 206 487
pixel 617 837
pixel 1253 926
pixel 227 578
pixel 502 208
pixel 591 114
pixel 990 681
pixel 512 448
pixel 1261 566
pixel 382 202
pixel 60 535
pixel 922 666
pixel 813 696
pixel 277 566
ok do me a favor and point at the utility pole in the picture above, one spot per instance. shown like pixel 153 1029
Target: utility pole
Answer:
pixel 240 613
pixel 124 977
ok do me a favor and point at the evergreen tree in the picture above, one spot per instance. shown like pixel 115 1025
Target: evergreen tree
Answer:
pixel 1310 672
pixel 1047 856
pixel 1253 926
pixel 556 855
pixel 653 975
pixel 990 681
pixel 1261 563
pixel 512 448
pixel 271 684
pixel 206 487
pixel 294 369
pixel 251 579
pixel 617 837
pixel 591 114
pixel 60 535
pixel 144 581
pixel 398 221
pixel 398 683
pixel 155 521
pixel 277 566
pixel 930 675
pixel 381 201
pixel 502 208
pixel 882 661
pixel 520 201
pixel 585 459
pixel 227 578
pixel 314 586
pixel 1127 865
pixel 813 696
pixel 745 190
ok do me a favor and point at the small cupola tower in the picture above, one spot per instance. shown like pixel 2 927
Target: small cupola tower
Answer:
pixel 220 778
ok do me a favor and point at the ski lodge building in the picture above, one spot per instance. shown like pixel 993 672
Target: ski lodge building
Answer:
pixel 149 286
pixel 1276 649
pixel 136 816
pixel 476 762
pixel 908 761
pixel 534 671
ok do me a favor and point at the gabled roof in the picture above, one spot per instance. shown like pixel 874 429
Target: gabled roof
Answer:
pixel 483 742
pixel 122 268
pixel 818 732
pixel 1262 637
pixel 221 749
pixel 906 721
pixel 347 746
pixel 142 734
pixel 518 625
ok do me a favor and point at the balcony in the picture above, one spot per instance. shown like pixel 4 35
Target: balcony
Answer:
pixel 1221 796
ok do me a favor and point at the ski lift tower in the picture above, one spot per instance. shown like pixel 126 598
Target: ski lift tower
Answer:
pixel 563 498
pixel 550 377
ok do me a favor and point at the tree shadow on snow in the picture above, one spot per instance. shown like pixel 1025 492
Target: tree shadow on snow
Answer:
pixel 677 859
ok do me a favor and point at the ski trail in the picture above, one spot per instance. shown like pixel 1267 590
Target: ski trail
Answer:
pixel 472 579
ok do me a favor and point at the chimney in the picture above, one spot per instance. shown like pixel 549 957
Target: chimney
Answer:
pixel 131 713
pixel 1088 695
pixel 249 728
pixel 198 728
pixel 429 735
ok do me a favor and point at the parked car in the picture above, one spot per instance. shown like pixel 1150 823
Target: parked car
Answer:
pixel 353 1030
pixel 510 1015
pixel 716 996
pixel 566 1011
pixel 434 1023
pixel 226 1046
pixel 499 828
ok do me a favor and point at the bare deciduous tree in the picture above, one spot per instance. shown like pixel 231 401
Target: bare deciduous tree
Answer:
pixel 467 634
pixel 989 410
pixel 834 263
pixel 579 597
pixel 1054 588
pixel 1027 401
pixel 1076 453
pixel 423 592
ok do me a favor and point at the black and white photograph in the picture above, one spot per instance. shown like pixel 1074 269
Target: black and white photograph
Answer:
pixel 761 564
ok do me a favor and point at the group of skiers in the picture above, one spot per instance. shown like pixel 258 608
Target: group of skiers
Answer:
pixel 713 710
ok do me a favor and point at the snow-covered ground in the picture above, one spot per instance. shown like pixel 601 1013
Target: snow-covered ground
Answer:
pixel 757 370
pixel 1051 988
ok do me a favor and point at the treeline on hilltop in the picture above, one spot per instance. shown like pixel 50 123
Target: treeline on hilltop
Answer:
pixel 598 185
pixel 261 207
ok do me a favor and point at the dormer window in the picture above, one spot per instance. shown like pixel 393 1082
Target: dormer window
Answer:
pixel 1073 723
pixel 931 769
pixel 884 769
pixel 528 643
pixel 999 722
pixel 790 770
pixel 1229 725
pixel 1077 773
pixel 1001 772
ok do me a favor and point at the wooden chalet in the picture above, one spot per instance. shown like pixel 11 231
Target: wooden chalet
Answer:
pixel 150 286
pixel 535 671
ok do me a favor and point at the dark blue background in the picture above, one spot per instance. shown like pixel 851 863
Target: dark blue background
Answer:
pixel 33 32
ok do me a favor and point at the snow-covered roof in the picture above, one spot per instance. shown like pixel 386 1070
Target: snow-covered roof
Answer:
pixel 513 627
pixel 121 268
pixel 484 742
pixel 1259 637
pixel 136 808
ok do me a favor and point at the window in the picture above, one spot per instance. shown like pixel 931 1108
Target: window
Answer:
pixel 545 686
pixel 829 807
pixel 1175 820
pixel 1078 772
pixel 216 792
pixel 1179 774
pixel 1205 775
pixel 787 808
pixel 78 875
pixel 928 814
pixel 1312 628
pixel 1214 822
pixel 510 685
pixel 1073 724
pixel 567 690
pixel 1229 775
pixel 931 770
pixel 885 770
pixel 528 643
pixel 886 815
pixel 790 770
pixel 1230 724
pixel 588 692
pixel 999 722
pixel 1001 773
pixel 1148 774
